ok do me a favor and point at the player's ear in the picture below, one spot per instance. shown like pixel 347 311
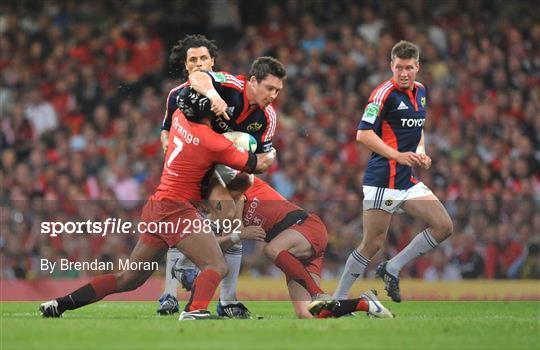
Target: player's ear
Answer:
pixel 253 79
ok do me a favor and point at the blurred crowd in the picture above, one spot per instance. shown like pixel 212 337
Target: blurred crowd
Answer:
pixel 82 95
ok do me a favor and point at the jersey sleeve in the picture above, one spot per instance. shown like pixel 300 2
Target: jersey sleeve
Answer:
pixel 371 117
pixel 170 107
pixel 225 152
pixel 224 80
pixel 269 131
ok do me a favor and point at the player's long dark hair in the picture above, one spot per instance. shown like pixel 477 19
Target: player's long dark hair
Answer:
pixel 178 55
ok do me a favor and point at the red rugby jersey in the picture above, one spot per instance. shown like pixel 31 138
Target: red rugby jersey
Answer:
pixel 193 150
pixel 265 206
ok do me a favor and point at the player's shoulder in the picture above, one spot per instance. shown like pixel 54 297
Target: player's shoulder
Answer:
pixel 419 85
pixel 176 90
pixel 178 87
pixel 381 93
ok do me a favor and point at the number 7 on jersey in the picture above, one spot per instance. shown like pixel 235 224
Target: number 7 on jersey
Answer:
pixel 179 145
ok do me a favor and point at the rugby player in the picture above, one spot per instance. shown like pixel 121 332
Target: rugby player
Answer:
pixel 296 244
pixel 240 104
pixel 194 148
pixel 392 128
pixel 193 53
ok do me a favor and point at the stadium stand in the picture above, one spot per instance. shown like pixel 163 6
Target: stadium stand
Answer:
pixel 83 85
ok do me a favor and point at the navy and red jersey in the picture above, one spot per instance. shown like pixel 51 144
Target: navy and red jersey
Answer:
pixel 193 150
pixel 397 116
pixel 171 106
pixel 261 124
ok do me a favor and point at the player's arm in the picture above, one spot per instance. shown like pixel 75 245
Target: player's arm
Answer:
pixel 264 161
pixel 375 144
pixel 164 139
pixel 247 162
pixel 223 151
pixel 170 107
pixel 203 83
pixel 241 233
pixel 366 136
pixel 266 135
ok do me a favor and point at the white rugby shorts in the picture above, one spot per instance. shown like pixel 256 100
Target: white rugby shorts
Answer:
pixel 389 199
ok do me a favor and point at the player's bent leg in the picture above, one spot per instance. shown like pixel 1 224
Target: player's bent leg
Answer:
pixel 133 279
pixel 429 209
pixel 104 285
pixel 204 251
pixel 293 242
pixel 376 223
pixel 286 251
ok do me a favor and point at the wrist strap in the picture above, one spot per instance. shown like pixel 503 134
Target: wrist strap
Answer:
pixel 212 93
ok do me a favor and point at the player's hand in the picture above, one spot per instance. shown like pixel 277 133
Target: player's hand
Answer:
pixel 219 106
pixel 408 158
pixel 164 138
pixel 425 161
pixel 265 160
pixel 255 233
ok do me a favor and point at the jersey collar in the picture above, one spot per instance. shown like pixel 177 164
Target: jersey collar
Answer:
pixel 411 93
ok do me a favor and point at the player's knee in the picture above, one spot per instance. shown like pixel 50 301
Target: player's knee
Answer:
pixel 221 268
pixel 271 251
pixel 373 244
pixel 444 228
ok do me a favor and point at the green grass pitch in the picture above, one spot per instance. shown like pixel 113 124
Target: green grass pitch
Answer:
pixel 134 325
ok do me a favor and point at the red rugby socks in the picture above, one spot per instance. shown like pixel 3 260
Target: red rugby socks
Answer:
pixel 295 271
pixel 204 287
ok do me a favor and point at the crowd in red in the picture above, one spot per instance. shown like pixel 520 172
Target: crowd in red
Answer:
pixel 83 93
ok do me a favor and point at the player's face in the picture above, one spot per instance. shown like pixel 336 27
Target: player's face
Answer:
pixel 198 59
pixel 266 90
pixel 405 72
